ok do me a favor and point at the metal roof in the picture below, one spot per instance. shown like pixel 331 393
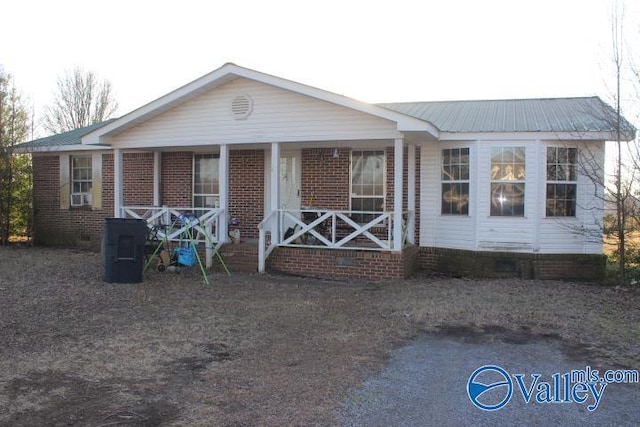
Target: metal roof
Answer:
pixel 72 137
pixel 515 115
pixel 587 114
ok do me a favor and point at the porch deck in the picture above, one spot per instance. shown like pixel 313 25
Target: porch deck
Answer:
pixel 307 242
pixel 343 264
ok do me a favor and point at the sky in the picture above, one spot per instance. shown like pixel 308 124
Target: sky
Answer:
pixel 373 51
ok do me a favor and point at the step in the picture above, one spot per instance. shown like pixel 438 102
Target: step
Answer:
pixel 239 258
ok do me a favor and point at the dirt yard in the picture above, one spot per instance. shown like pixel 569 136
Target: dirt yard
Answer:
pixel 251 349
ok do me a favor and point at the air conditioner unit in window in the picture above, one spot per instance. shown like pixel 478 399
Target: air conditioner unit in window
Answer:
pixel 77 200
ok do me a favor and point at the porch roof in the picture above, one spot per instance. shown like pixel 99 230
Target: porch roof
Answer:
pixel 62 141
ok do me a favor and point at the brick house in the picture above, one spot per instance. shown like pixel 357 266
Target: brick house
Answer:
pixel 320 184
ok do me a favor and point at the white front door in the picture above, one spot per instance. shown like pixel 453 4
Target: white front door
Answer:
pixel 290 182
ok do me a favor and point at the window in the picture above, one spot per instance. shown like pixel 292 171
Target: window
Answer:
pixel 367 183
pixel 206 185
pixel 561 181
pixel 81 180
pixel 455 181
pixel 507 181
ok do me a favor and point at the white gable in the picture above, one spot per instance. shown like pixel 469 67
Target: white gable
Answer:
pixel 245 111
pixel 289 114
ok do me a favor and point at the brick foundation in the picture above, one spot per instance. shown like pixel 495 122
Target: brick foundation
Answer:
pixel 507 264
pixel 344 264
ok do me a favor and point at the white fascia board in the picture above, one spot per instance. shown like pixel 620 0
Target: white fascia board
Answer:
pixel 292 140
pixel 230 72
pixel 526 136
pixel 60 148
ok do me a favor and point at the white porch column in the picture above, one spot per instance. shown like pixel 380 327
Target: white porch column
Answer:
pixel 157 176
pixel 117 182
pixel 223 178
pixel 275 191
pixel 411 192
pixel 397 194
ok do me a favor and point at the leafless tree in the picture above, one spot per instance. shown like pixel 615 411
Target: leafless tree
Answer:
pixel 618 191
pixel 81 99
pixel 624 189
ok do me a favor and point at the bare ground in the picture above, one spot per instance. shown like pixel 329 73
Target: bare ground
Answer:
pixel 253 349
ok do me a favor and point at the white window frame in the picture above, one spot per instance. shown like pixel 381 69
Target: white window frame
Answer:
pixel 507 174
pixel 455 180
pixel 571 169
pixel 81 181
pixel 352 193
pixel 203 195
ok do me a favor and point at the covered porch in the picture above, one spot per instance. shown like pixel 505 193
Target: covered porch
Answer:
pixel 279 148
pixel 307 215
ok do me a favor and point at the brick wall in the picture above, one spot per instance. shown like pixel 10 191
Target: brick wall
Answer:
pixel 83 226
pixel 325 179
pixel 344 264
pixel 176 179
pixel 246 189
pixel 137 179
pixel 107 184
pixel 76 226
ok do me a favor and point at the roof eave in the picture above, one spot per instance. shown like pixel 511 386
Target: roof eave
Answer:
pixel 523 136
pixel 58 148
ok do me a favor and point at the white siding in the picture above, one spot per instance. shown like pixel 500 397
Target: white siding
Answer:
pixel 575 235
pixel 278 116
pixel 480 231
pixel 428 194
pixel 437 230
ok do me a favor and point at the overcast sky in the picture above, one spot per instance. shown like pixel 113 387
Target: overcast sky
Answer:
pixel 374 51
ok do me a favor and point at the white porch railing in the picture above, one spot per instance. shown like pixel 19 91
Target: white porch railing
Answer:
pixel 171 224
pixel 329 229
pixel 265 244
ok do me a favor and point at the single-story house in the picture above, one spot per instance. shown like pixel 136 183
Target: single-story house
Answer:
pixel 315 183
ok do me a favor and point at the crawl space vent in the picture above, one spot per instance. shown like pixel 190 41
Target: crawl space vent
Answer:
pixel 241 107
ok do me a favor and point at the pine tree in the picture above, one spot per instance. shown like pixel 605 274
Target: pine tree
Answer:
pixel 15 174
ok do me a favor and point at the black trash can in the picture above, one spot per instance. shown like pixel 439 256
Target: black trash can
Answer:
pixel 123 249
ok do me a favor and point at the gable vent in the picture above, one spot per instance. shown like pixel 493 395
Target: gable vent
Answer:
pixel 241 107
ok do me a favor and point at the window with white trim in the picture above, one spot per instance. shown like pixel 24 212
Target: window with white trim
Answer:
pixel 367 183
pixel 507 181
pixel 81 180
pixel 455 181
pixel 206 184
pixel 561 181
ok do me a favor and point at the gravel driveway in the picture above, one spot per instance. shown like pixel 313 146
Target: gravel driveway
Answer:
pixel 425 383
